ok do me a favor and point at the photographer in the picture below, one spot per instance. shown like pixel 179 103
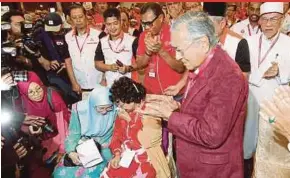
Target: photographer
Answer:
pixel 54 51
pixel 17 147
pixel 19 36
pixel 11 152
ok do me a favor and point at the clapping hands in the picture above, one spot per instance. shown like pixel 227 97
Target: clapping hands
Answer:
pixel 277 112
pixel 272 72
pixel 152 43
pixel 160 106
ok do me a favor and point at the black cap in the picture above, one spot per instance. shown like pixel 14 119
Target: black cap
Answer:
pixel 215 8
pixel 52 22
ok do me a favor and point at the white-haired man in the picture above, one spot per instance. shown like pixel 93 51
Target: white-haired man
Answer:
pixel 270 64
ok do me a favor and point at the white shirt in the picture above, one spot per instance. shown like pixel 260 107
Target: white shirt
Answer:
pixel 261 87
pixel 244 29
pixel 111 56
pixel 231 44
pixel 83 62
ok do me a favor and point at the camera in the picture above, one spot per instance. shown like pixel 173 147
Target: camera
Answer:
pixel 27 45
pixel 10 126
pixel 48 127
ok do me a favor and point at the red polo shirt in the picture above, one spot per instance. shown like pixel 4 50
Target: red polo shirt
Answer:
pixel 164 75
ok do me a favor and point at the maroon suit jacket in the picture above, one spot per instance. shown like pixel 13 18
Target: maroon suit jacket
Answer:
pixel 209 126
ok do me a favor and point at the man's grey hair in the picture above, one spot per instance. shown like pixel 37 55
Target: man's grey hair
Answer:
pixel 198 25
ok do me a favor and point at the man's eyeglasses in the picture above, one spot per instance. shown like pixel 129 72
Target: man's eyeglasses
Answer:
pixel 273 20
pixel 182 51
pixel 150 23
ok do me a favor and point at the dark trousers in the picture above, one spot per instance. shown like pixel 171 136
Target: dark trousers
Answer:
pixel 64 86
pixel 248 167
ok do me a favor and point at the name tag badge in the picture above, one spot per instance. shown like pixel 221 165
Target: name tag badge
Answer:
pixel 151 70
pixel 152 74
pixel 85 95
pixel 127 158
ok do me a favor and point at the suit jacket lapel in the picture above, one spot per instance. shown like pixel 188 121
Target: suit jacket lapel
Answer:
pixel 202 80
pixel 199 85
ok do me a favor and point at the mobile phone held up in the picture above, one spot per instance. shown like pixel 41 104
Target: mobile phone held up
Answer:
pixel 119 63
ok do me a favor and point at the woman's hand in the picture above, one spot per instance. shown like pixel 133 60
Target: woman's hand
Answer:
pixel 277 113
pixel 74 156
pixel 124 115
pixel 115 161
pixel 59 157
pixel 31 120
pixel 282 100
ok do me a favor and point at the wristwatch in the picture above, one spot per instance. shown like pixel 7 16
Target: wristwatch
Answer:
pixel 129 69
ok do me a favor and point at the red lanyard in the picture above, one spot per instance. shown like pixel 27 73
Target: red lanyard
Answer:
pixel 260 61
pixel 117 51
pixel 193 76
pixel 249 30
pixel 81 48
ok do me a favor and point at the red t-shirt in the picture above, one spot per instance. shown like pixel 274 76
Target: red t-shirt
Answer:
pixel 164 75
pixel 99 20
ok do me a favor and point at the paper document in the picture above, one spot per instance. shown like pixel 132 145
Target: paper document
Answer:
pixel 89 153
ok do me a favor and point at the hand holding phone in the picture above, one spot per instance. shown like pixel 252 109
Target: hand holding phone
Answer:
pixel 119 63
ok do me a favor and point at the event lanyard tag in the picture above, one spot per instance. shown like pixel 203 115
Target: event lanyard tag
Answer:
pixel 127 158
pixel 85 95
pixel 152 70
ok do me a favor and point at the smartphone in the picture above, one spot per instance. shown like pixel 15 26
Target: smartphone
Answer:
pixel 119 63
pixel 52 9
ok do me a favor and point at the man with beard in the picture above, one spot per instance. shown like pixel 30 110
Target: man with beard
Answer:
pixel 249 26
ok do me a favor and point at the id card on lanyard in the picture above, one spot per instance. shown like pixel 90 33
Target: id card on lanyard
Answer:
pixel 152 71
pixel 249 30
pixel 261 60
pixel 82 46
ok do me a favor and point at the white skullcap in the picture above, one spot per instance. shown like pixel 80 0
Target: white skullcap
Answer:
pixel 269 7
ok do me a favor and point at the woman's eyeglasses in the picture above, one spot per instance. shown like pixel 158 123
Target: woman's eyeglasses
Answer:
pixel 35 92
pixel 102 108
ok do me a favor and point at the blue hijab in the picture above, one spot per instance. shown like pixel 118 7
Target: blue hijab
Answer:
pixel 92 123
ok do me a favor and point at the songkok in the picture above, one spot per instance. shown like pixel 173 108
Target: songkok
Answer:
pixel 215 8
pixel 269 7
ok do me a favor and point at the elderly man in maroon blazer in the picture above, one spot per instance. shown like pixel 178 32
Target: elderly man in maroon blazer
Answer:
pixel 208 124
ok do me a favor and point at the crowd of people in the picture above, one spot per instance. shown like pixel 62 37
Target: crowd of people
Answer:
pixel 166 90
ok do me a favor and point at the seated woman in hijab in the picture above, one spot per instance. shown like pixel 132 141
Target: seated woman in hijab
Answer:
pixel 136 137
pixel 45 104
pixel 91 119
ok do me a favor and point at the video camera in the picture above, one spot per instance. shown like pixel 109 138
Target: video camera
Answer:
pixel 29 46
pixel 24 46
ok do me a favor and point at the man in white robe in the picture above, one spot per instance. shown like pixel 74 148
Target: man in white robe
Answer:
pixel 270 68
